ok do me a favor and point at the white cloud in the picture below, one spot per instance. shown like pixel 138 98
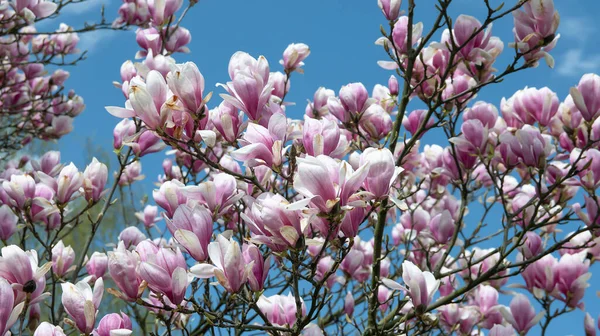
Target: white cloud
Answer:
pixel 91 40
pixel 576 62
pixel 576 28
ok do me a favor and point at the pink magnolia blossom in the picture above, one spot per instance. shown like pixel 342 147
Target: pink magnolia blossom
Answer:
pixel 62 258
pixel 382 170
pixel 166 273
pixel 81 303
pixel 162 10
pixel 20 268
pixel 280 309
pixel 326 182
pixel 294 55
pixel 97 265
pixel 390 8
pixel 571 276
pixel 229 267
pixel 589 325
pixel 535 30
pixel 376 122
pixel 263 146
pixel 187 83
pixel 275 222
pixel 49 163
pixel 149 216
pixel 122 265
pixel 218 194
pixel 260 268
pixel 8 222
pixel 585 96
pixel 114 324
pixel 19 188
pixel 228 121
pixel 192 227
pixel 249 89
pixel 47 329
pixel 131 236
pixel 9 312
pixel 522 315
pixel 323 137
pixel 318 108
pixel 400 34
pixel 95 177
pixel 349 304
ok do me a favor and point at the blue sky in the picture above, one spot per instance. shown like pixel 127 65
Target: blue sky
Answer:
pixel 341 34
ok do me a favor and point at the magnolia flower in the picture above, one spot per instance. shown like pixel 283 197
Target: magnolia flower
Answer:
pixel 81 303
pixel 9 312
pixel 229 267
pixel 421 285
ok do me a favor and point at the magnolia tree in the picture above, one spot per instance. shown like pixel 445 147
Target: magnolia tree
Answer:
pixel 336 223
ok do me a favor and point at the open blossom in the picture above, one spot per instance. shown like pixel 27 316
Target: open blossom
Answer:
pixel 400 34
pixel 144 143
pixel 249 89
pixel 161 11
pixel 318 107
pixel 527 146
pixel 376 122
pixel 20 268
pixel 19 188
pixel 229 267
pixel 323 137
pixel 326 182
pixel 81 303
pixel 522 315
pixel 535 30
pixel 187 83
pixel 274 221
pixel 39 8
pixel 263 146
pixel 421 285
pixel 531 105
pixel 218 194
pixel 166 273
pixel 475 47
pixel 280 309
pixel 571 277
pixel 49 163
pixel 169 196
pixel 131 236
pixel 228 121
